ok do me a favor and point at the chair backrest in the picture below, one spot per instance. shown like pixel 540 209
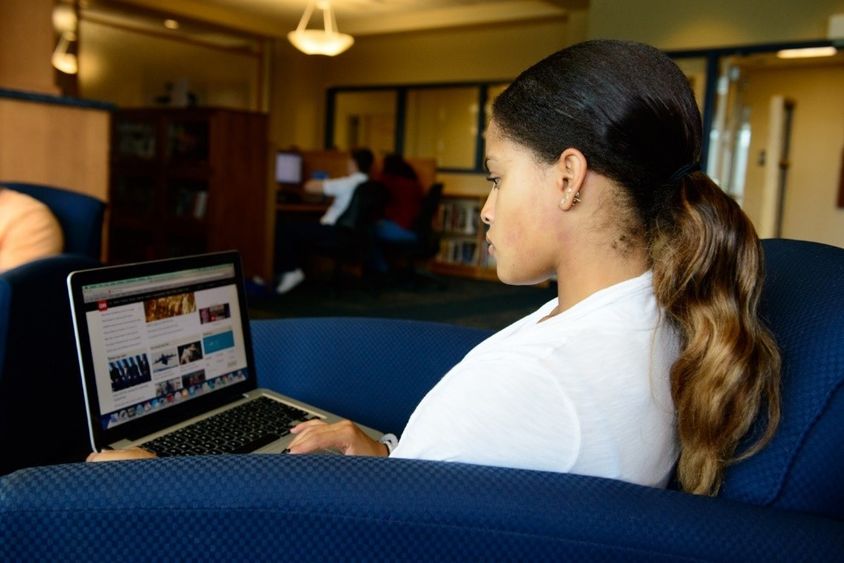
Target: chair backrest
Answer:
pixel 365 208
pixel 80 216
pixel 290 357
pixel 427 240
pixel 803 304
pixel 42 414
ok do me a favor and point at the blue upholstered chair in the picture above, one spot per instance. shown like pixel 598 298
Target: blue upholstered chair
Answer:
pixel 787 503
pixel 80 216
pixel 42 416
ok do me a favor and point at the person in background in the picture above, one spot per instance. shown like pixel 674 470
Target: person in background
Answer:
pixel 28 230
pixel 652 354
pixel 293 239
pixel 404 200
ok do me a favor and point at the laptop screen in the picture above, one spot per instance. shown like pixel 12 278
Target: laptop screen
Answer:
pixel 159 336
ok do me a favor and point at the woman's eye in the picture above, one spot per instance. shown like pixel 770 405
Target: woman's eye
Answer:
pixel 495 180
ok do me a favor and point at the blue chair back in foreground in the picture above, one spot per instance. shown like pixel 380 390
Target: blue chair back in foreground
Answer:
pixel 329 362
pixel 42 413
pixel 803 304
pixel 80 216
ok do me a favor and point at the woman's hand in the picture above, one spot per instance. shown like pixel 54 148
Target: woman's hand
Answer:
pixel 344 436
pixel 120 455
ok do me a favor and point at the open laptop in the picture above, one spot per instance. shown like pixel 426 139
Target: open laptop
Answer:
pixel 166 358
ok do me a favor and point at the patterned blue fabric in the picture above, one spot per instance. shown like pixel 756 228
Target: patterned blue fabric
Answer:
pixel 329 508
pixel 374 371
pixel 41 398
pixel 783 504
pixel 803 304
pixel 80 216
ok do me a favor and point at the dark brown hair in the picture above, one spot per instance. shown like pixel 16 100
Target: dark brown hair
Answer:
pixel 631 112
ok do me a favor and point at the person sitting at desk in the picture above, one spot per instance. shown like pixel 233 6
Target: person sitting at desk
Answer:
pixel 28 230
pixel 294 239
pixel 404 201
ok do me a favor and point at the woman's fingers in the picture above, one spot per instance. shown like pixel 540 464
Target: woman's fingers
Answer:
pixel 343 436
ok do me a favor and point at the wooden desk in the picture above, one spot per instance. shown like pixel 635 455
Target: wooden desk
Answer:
pixel 302 207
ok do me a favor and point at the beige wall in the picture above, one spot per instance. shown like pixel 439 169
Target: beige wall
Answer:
pixel 130 69
pixel 669 24
pixel 297 98
pixel 817 139
pixel 26 45
pixel 50 144
pixel 55 145
pixel 299 82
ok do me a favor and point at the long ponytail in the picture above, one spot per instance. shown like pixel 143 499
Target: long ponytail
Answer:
pixel 708 274
pixel 630 110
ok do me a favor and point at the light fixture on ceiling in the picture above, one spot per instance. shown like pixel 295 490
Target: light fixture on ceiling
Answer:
pixel 807 52
pixel 170 23
pixel 327 41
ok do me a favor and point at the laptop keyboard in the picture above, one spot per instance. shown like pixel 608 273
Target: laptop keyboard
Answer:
pixel 241 429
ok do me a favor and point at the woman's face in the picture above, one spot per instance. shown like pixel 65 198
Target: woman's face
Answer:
pixel 522 211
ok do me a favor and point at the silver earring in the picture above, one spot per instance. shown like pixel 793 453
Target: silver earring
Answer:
pixel 576 198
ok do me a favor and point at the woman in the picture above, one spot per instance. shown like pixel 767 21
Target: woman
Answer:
pixel 652 351
pixel 593 158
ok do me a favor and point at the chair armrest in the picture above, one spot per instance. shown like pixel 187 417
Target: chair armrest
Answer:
pixel 373 371
pixel 333 507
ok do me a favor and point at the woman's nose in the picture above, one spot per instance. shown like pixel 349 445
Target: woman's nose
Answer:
pixel 488 211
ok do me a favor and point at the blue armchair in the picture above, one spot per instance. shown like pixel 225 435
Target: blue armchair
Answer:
pixel 42 419
pixel 80 216
pixel 787 503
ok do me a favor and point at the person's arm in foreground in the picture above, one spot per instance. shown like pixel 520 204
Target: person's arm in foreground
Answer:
pixel 344 436
pixel 118 455
pixel 311 436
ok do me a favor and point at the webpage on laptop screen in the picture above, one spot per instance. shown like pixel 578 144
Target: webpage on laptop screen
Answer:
pixel 161 340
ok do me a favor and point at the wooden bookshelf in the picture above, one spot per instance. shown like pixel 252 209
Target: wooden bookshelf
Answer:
pixel 463 246
pixel 188 181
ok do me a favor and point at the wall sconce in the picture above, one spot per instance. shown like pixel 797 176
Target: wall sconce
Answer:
pixel 328 41
pixel 64 22
pixel 62 59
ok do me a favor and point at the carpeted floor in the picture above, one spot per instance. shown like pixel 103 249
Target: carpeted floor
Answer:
pixel 473 303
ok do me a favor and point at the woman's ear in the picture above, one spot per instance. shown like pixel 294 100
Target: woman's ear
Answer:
pixel 571 174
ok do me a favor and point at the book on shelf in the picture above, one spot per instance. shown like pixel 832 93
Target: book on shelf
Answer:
pixel 460 251
pixel 136 140
pixel 460 216
pixel 193 203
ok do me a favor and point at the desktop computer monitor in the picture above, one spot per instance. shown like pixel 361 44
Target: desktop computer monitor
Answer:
pixel 288 168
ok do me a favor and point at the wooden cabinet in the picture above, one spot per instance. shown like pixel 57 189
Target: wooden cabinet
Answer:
pixel 463 246
pixel 188 181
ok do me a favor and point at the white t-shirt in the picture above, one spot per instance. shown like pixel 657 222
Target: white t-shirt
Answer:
pixel 586 391
pixel 342 190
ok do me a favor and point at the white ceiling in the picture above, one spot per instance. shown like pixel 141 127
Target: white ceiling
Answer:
pixel 358 17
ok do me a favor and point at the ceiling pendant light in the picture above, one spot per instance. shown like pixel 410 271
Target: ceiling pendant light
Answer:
pixel 327 41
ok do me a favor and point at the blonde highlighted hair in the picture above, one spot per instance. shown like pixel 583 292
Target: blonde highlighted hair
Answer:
pixel 708 275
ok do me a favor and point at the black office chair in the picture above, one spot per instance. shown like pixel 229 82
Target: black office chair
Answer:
pixel 355 230
pixel 406 257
